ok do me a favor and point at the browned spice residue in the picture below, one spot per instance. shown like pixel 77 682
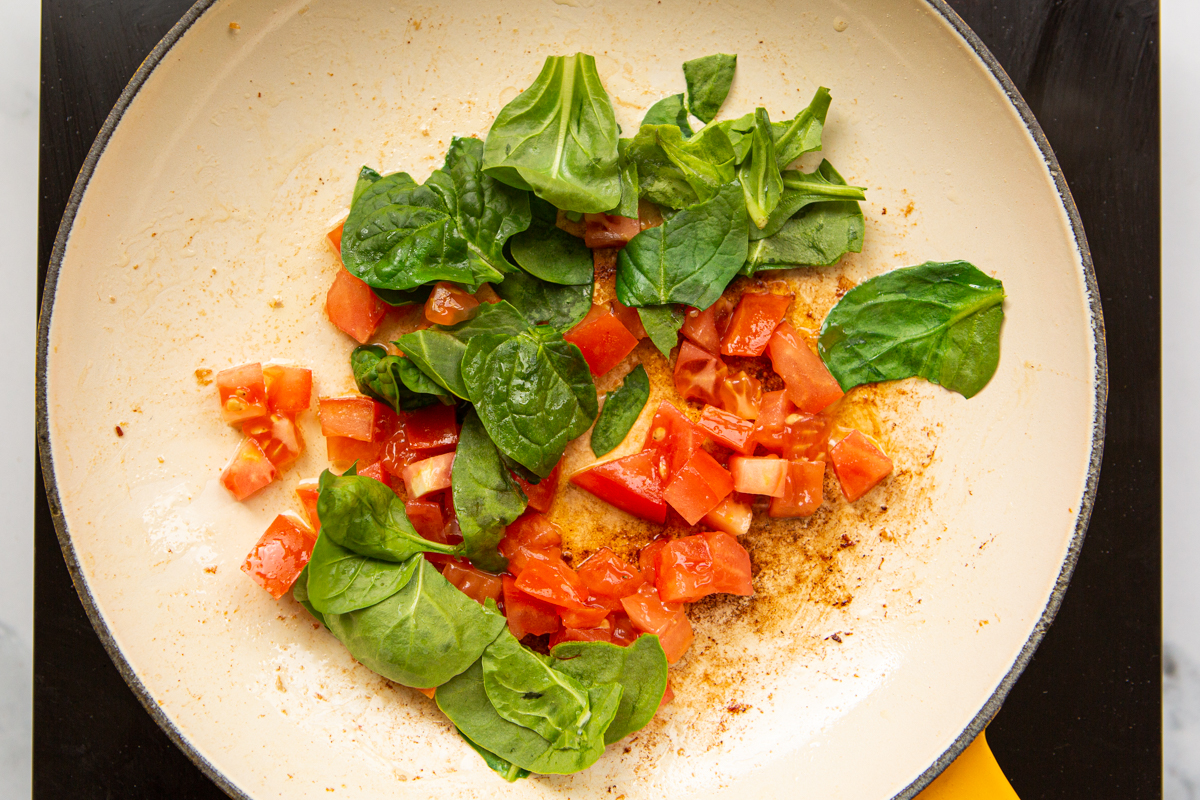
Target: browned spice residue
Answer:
pixel 119 431
pixel 203 377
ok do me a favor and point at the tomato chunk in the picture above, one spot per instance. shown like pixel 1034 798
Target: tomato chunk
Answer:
pixel 609 230
pixel 730 517
pixel 701 327
pixel 433 428
pixel 243 393
pixel 249 471
pixel 289 389
pixel 650 614
pixel 278 437
pixel 607 575
pixel 280 555
pixel 353 307
pixel 582 635
pixel 672 435
pixel 307 492
pixel 426 516
pixel 527 615
pixel 740 394
pixel 772 417
pixel 335 237
pixel 803 492
pixel 685 570
pixel 531 537
pixel 632 484
pixel 809 384
pixel 806 436
pixel 699 487
pixel 594 613
pixel 859 465
pixel 541 494
pixel 766 476
pixel 602 339
pixel 727 430
pixel 397 454
pixel 353 416
pixel 753 322
pixel 575 227
pixel 428 475
pixel 344 450
pixel 730 564
pixel 475 584
pixel 449 305
pixel 552 581
pixel 630 318
pixel 698 374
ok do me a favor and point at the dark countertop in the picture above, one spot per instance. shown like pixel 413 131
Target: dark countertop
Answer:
pixel 1083 720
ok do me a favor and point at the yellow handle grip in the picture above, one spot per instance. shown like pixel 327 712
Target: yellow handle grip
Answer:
pixel 974 775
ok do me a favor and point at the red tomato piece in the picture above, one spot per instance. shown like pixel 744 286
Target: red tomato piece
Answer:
pixel 249 471
pixel 740 394
pixel 596 611
pixel 374 471
pixel 698 374
pixel 397 454
pixel 280 555
pixel 803 493
pixel 648 558
pixel 575 227
pixel 582 635
pixel 353 416
pixel 859 465
pixel 809 384
pixel 344 450
pixel 632 484
pixel 289 389
pixel 730 517
pixel 668 696
pixel 609 230
pixel 432 428
pixel 701 328
pixel 541 494
pixel 699 487
pixel 278 437
pixel 766 476
pixel 426 516
pixel 530 537
pixel 335 237
pixel 753 322
pixel 307 492
pixel 623 632
pixel 554 582
pixel 728 430
pixel 607 575
pixel 649 215
pixel 602 339
pixel 630 318
pixel 449 305
pixel 685 570
pixel 730 564
pixel 673 436
pixel 428 475
pixel 527 615
pixel 243 393
pixel 475 584
pixel 806 436
pixel 650 614
pixel 772 417
pixel 353 307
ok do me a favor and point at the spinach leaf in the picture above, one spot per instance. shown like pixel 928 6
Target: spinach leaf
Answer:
pixel 524 690
pixel 622 407
pixel 640 669
pixel 548 252
pixel 677 172
pixel 688 259
pixel 404 297
pixel 365 516
pixel 300 592
pixel 399 236
pixel 560 307
pixel 340 580
pixel 739 130
pixel 816 237
pixel 662 324
pixel 486 499
pixel 938 321
pixel 424 634
pixel 802 134
pixel 759 175
pixel 437 354
pixel 801 189
pixel 708 82
pixel 533 391
pixel 628 207
pixel 559 138
pixel 669 111
pixel 499 317
pixel 392 379
pixel 368 176
pixel 505 769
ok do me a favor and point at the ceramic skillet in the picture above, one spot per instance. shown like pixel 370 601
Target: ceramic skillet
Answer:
pixel 885 634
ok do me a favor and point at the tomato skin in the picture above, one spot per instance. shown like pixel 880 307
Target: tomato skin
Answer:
pixel 740 394
pixel 649 614
pixel 527 615
pixel 353 308
pixel 449 305
pixel 606 575
pixel 685 570
pixel 859 465
pixel 530 537
pixel 730 564
pixel 728 430
pixel 474 583
pixel 673 436
pixel 753 322
pixel 772 417
pixel 730 517
pixel 425 514
pixel 243 393
pixel 699 487
pixel 248 471
pixel 765 476
pixel 809 384
pixel 632 484
pixel 541 494
pixel 289 389
pixel 428 475
pixel 352 416
pixel 698 374
pixel 609 230
pixel 552 581
pixel 803 494
pixel 433 428
pixel 278 437
pixel 602 339
pixel 280 555
pixel 307 492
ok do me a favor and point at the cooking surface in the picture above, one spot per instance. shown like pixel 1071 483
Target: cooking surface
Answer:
pixel 83 707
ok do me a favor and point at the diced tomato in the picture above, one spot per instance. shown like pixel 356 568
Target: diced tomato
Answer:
pixel 674 437
pixel 699 487
pixel 649 215
pixel 433 428
pixel 397 454
pixel 449 305
pixel 289 389
pixel 766 476
pixel 609 230
pixel 648 558
pixel 243 393
pixel 374 471
pixel 429 692
pixel 344 450
pixel 701 328
pixel 803 492
pixel 353 416
pixel 541 494
pixel 527 615
pixel 554 582
pixel 650 614
pixel 623 632
pixel 740 394
pixel 530 537
pixel 727 430
pixel 307 492
pixel 582 635
pixel 806 436
pixel 730 564
pixel 486 294
pixel 353 307
pixel 859 465
pixel 428 475
pixel 668 696
pixel 602 339
pixel 607 575
pixel 809 384
pixel 596 611
pixel 698 374
pixel 280 555
pixel 632 484
pixel 685 570
pixel 630 318
pixel 575 227
pixel 426 516
pixel 772 416
pixel 278 437
pixel 474 583
pixel 730 517
pixel 335 237
pixel 249 471
pixel 753 322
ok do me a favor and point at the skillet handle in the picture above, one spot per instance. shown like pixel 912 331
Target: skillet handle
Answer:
pixel 974 775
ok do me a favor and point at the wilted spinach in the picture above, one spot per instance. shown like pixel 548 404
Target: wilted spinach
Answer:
pixel 300 594
pixel 340 581
pixel 560 307
pixel 365 516
pixel 392 379
pixel 759 175
pixel 548 252
pixel 640 669
pixel 486 499
pixel 801 134
pixel 708 82
pixel 816 237
pixel 525 690
pixel 622 406
pixel 939 321
pixel 802 189
pixel 662 324
pixel 677 172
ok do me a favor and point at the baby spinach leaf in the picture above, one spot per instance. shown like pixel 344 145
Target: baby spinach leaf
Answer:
pixel 300 593
pixel 801 189
pixel 678 172
pixel 662 324
pixel 669 111
pixel 365 516
pixel 505 769
pixel 759 175
pixel 628 207
pixel 640 669
pixel 802 134
pixel 499 317
pixel 404 297
pixel 438 355
pixel 524 690
pixel 424 634
pixel 340 580
pixel 486 499
pixel 939 321
pixel 548 252
pixel 560 307
pixel 392 379
pixel 708 82
pixel 368 176
pixel 816 237
pixel 688 259
pixel 399 236
pixel 739 130
pixel 559 138
pixel 622 406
